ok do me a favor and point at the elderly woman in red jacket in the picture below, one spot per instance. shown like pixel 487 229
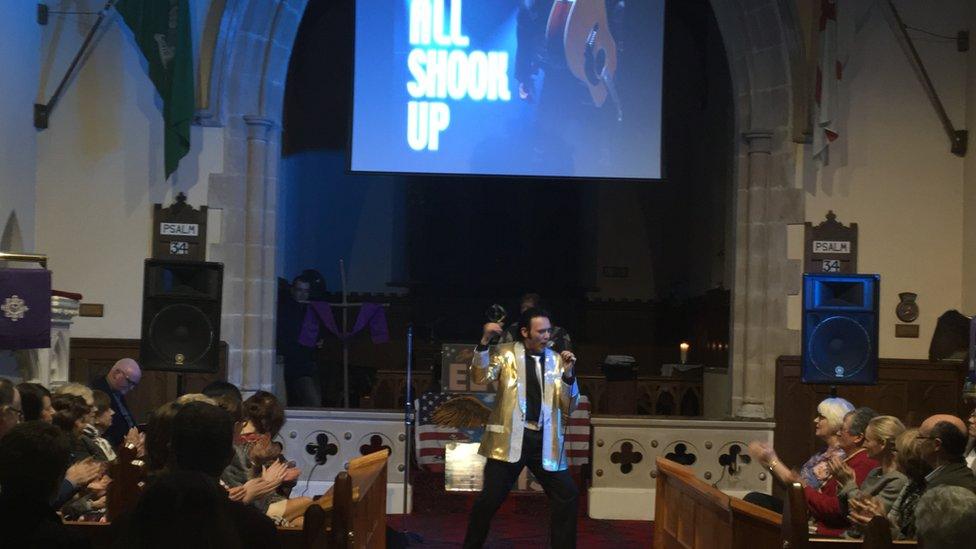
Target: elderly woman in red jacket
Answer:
pixel 829 515
pixel 844 444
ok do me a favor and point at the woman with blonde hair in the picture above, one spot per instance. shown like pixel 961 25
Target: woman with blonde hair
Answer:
pixel 885 481
pixel 910 460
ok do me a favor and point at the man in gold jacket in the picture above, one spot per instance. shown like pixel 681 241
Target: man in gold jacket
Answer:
pixel 537 392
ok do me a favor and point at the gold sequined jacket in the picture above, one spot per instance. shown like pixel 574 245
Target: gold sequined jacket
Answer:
pixel 502 439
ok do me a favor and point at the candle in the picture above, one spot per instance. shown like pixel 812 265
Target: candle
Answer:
pixel 684 351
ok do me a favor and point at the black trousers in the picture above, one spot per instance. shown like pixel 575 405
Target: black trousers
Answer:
pixel 499 478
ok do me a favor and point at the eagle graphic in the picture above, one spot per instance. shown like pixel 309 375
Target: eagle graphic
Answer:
pixel 461 412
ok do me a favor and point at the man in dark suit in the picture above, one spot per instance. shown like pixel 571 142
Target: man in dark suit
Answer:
pixel 944 446
pixel 124 376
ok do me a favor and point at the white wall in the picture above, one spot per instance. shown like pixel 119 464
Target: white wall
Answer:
pixel 892 173
pixel 19 46
pixel 969 181
pixel 100 170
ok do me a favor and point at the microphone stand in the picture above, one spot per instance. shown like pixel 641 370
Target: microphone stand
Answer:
pixel 408 421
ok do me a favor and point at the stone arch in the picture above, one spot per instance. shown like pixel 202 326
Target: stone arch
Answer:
pixel 762 42
pixel 249 47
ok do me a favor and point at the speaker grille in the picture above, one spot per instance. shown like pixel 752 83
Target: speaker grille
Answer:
pixel 839 347
pixel 181 334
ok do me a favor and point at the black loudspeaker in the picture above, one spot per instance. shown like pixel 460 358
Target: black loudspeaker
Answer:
pixel 181 315
pixel 840 329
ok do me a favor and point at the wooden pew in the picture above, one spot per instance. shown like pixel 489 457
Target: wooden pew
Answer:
pixel 691 514
pixel 128 474
pixel 351 514
pixel 796 532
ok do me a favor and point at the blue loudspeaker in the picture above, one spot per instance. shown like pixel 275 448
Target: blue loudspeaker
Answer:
pixel 840 329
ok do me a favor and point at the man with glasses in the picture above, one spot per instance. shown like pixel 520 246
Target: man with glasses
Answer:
pixel 10 411
pixel 944 446
pixel 122 378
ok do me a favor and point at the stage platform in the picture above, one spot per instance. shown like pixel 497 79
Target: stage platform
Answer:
pixel 441 517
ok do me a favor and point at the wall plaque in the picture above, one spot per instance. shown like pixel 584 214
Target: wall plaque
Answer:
pixel 831 247
pixel 179 231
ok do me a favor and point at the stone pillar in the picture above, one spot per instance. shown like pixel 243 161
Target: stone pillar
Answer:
pixel 49 367
pixel 751 350
pixel 257 358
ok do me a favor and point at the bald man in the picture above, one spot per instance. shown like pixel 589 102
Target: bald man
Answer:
pixel 944 439
pixel 124 376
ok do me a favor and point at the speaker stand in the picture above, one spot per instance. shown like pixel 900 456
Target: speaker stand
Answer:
pixel 406 536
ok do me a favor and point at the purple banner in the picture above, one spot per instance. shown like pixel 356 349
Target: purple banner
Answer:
pixel 370 314
pixel 25 309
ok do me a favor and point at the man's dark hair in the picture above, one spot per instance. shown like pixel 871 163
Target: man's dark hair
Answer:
pixel 953 440
pixel 525 320
pixel 32 399
pixel 316 284
pixel 218 388
pixel 6 392
pixel 534 298
pixel 202 438
pixel 860 419
pixel 265 412
pixel 159 431
pixel 227 396
pixel 33 458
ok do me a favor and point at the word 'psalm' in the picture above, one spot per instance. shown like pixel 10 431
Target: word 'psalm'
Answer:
pixel 440 73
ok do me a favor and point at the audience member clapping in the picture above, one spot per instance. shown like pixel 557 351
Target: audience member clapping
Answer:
pixel 884 481
pixel 71 415
pixel 33 460
pixel 102 420
pixel 824 504
pixel 35 400
pixel 189 494
pixel 827 426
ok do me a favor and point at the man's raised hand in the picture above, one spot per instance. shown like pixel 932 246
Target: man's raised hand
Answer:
pixel 491 330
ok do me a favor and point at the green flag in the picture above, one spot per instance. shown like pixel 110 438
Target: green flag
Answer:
pixel 162 31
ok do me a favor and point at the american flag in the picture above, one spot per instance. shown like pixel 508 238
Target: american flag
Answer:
pixel 431 438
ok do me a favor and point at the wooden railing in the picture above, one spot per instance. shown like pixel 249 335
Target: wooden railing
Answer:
pixel 351 514
pixel 692 514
